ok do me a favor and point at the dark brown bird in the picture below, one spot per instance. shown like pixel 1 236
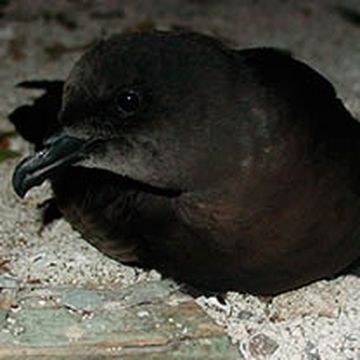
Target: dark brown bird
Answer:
pixel 226 169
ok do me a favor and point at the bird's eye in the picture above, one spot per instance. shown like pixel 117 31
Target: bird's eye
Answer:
pixel 128 102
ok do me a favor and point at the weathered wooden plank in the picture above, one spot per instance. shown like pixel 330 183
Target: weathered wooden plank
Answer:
pixel 152 321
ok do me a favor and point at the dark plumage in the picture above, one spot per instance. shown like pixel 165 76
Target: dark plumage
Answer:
pixel 225 169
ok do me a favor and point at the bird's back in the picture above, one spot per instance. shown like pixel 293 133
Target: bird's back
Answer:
pixel 290 208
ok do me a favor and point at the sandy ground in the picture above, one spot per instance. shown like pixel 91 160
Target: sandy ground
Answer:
pixel 41 40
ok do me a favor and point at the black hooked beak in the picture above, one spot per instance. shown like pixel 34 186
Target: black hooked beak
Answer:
pixel 59 151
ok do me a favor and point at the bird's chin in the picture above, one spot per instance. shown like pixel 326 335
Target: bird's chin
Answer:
pixel 143 187
pixel 62 151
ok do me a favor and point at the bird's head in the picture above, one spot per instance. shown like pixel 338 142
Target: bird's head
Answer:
pixel 144 105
